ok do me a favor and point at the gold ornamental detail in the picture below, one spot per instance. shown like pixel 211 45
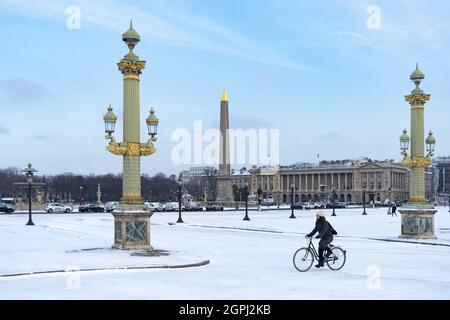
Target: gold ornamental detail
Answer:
pixel 131 149
pixel 417 162
pixel 147 150
pixel 417 99
pixel 131 76
pixel 132 199
pixel 118 150
pixel 131 66
pixel 417 200
pixel 134 149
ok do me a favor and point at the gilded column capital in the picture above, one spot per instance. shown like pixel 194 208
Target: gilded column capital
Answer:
pixel 128 67
pixel 417 100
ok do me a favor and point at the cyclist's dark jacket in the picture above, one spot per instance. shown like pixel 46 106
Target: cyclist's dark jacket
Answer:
pixel 325 235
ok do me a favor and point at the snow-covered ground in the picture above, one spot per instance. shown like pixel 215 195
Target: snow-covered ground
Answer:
pixel 248 260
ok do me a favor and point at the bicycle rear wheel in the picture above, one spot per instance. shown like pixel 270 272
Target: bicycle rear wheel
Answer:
pixel 303 259
pixel 337 259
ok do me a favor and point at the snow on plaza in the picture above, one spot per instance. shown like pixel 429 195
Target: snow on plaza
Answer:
pixel 230 258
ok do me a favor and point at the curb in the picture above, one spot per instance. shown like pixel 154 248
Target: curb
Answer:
pixel 181 266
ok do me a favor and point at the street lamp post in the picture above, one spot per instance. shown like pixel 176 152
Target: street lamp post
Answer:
pixel 389 208
pixel 364 202
pixel 99 194
pixel 292 202
pixel 180 220
pixel 259 198
pixel 246 218
pixel 417 214
pixel 81 195
pixel 132 217
pixel 29 171
pixel 334 202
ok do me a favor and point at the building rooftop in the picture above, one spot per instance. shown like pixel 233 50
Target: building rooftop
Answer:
pixel 441 160
pixel 340 163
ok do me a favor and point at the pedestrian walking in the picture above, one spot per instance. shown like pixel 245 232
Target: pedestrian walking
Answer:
pixel 394 209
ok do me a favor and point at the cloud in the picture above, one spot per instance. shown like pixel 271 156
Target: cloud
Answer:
pixel 22 90
pixel 4 131
pixel 161 22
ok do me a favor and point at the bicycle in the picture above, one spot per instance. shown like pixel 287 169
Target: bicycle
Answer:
pixel 304 257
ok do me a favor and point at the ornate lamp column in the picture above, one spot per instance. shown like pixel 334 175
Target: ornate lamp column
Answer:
pixel 417 215
pixel 132 217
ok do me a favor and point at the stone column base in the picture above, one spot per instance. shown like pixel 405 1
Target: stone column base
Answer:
pixel 132 228
pixel 224 190
pixel 417 223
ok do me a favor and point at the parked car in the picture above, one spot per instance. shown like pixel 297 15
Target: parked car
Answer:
pixel 58 207
pixel 159 207
pixel 298 206
pixel 91 207
pixel 6 208
pixel 337 205
pixel 9 201
pixel 268 202
pixel 193 206
pixel 378 204
pixel 173 206
pixel 213 207
pixel 319 205
pixel 110 206
pixel 150 205
pixel 309 205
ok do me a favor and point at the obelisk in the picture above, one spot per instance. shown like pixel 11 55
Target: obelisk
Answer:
pixel 224 188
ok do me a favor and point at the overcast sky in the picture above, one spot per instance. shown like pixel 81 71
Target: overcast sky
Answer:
pixel 321 72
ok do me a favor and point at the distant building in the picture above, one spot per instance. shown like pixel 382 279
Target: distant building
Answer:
pixel 348 177
pixel 442 175
pixel 200 183
pixel 429 184
pixel 240 179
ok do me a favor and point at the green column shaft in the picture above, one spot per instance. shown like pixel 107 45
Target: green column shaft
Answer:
pixel 417 132
pixel 131 106
pixel 131 134
pixel 417 186
pixel 131 177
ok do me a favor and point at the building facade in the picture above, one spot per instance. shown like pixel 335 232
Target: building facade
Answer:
pixel 442 172
pixel 348 177
pixel 200 183
pixel 240 180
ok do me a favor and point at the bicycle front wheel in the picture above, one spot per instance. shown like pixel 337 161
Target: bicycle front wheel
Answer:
pixel 303 259
pixel 337 259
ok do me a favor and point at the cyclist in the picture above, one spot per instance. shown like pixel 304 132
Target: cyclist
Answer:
pixel 326 237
